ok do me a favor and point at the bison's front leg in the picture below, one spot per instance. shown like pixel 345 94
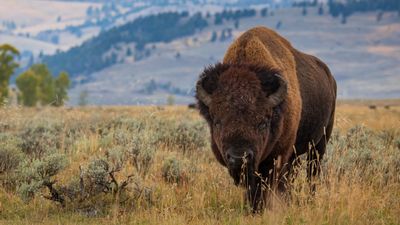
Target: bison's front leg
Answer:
pixel 255 192
pixel 269 183
pixel 259 186
pixel 252 180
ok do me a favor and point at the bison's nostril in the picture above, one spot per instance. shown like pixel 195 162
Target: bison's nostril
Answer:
pixel 249 155
pixel 238 159
pixel 232 161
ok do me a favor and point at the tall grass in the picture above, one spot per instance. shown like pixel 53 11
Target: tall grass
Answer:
pixel 153 165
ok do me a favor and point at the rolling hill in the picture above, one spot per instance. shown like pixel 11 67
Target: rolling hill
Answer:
pixel 142 54
pixel 363 54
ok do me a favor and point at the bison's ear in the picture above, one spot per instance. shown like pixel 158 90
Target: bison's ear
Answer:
pixel 208 82
pixel 274 85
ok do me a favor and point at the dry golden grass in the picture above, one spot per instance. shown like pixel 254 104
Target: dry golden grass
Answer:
pixel 350 113
pixel 354 189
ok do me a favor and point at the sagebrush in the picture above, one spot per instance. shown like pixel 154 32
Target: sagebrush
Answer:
pixel 153 165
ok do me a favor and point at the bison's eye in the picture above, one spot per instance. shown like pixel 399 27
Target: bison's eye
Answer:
pixel 263 125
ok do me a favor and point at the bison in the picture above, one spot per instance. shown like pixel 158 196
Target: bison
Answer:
pixel 266 104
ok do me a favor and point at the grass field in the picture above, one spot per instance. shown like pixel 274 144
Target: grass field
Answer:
pixel 153 165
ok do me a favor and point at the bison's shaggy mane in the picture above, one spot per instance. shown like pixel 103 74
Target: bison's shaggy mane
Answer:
pixel 210 76
pixel 209 80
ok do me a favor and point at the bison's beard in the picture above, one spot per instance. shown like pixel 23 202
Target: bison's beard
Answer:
pixel 247 177
pixel 243 175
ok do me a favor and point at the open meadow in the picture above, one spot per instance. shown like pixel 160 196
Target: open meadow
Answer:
pixel 154 165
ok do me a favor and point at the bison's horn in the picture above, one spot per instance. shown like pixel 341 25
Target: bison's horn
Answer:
pixel 202 95
pixel 277 97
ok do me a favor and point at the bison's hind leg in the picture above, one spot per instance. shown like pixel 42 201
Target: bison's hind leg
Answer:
pixel 314 158
pixel 316 154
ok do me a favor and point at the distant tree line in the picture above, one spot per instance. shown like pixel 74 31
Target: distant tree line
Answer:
pixel 38 86
pixel 346 8
pixel 233 15
pixel 305 3
pixel 152 86
pixel 8 64
pixel 35 86
pixel 264 12
pixel 106 16
pixel 89 57
pixel 10 25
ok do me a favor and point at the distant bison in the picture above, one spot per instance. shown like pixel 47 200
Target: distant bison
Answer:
pixel 192 106
pixel 265 104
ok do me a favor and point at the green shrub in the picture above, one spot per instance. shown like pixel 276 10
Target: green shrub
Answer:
pixel 39 174
pixel 71 132
pixel 101 173
pixel 98 176
pixel 136 148
pixel 389 137
pixel 10 155
pixel 130 124
pixel 364 154
pixel 40 139
pixel 173 171
pixel 4 126
pixel 102 181
pixel 122 137
pixel 10 158
pixel 186 136
pixel 141 155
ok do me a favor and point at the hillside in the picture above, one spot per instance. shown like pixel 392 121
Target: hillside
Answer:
pixel 363 54
pixel 102 46
pixel 93 56
pixel 28 21
pixel 64 24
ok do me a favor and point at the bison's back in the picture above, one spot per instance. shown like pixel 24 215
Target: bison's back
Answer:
pixel 261 46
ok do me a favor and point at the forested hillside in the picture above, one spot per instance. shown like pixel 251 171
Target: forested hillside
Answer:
pixel 98 53
pixel 90 56
pixel 348 7
pixel 154 52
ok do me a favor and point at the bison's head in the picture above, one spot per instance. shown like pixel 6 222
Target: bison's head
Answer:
pixel 242 105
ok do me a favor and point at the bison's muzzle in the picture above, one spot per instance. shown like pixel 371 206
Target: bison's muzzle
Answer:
pixel 240 166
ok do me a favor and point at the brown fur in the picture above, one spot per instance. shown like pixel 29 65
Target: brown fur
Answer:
pixel 239 88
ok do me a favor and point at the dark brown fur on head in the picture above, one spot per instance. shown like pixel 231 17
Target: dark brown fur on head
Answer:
pixel 240 115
